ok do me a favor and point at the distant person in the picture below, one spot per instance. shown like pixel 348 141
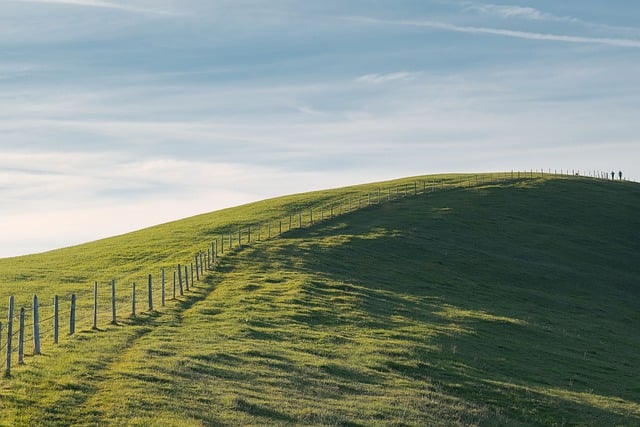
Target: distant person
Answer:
pixel 613 175
pixel 620 175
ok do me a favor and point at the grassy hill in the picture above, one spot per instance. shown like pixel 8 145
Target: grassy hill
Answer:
pixel 511 303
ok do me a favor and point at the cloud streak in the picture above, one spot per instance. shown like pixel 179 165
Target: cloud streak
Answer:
pixel 530 13
pixel 98 4
pixel 386 78
pixel 526 35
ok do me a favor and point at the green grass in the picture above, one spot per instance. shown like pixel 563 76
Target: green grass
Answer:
pixel 501 304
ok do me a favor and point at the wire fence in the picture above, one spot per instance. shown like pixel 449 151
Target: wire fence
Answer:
pixel 36 323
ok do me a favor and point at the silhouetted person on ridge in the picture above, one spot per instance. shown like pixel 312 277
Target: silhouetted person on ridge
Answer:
pixel 613 175
pixel 620 175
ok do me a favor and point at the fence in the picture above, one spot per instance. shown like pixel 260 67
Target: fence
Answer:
pixel 26 326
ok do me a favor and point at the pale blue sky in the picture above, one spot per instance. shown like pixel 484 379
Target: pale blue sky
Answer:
pixel 116 115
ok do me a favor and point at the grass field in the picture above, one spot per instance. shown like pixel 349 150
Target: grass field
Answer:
pixel 512 303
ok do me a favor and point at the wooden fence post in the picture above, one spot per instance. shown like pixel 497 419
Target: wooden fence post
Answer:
pixel 239 236
pixel 114 318
pixel 230 241
pixel 174 284
pixel 249 234
pixel 9 336
pixel 72 315
pixel 180 279
pixel 186 277
pixel 299 219
pixel 150 293
pixel 162 290
pixel 133 299
pixel 36 325
pixel 290 222
pixel 56 319
pixel 201 263
pixel 311 216
pixel 269 230
pixel 95 306
pixel 221 244
pixel 197 268
pixel 21 338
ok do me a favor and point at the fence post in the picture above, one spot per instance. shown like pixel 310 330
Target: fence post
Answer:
pixel 174 284
pixel 197 268
pixel 249 234
pixel 311 216
pixel 214 248
pixel 239 236
pixel 186 277
pixel 299 219
pixel 95 306
pixel 230 240
pixel 289 222
pixel 221 244
pixel 133 299
pixel 21 338
pixel 180 279
pixel 56 318
pixel 162 290
pixel 269 230
pixel 281 227
pixel 150 287
pixel 9 336
pixel 202 263
pixel 72 315
pixel 36 325
pixel 114 318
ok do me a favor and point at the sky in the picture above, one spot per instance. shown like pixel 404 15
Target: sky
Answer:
pixel 117 115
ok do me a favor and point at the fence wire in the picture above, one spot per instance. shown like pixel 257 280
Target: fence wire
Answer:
pixel 179 277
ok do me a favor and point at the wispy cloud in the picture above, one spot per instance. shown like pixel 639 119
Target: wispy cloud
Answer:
pixel 533 14
pixel 385 78
pixel 527 35
pixel 98 4
pixel 530 13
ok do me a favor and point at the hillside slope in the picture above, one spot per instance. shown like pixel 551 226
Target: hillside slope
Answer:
pixel 510 304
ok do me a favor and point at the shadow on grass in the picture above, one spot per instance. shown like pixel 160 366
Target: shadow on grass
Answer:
pixel 505 278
